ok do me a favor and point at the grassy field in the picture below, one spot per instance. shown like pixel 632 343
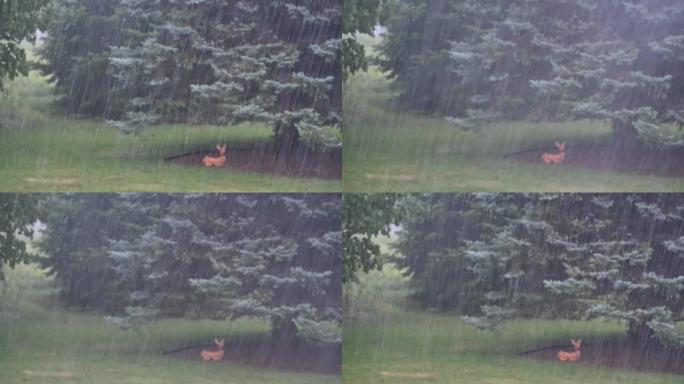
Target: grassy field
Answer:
pixel 39 345
pixel 44 151
pixel 388 341
pixel 387 150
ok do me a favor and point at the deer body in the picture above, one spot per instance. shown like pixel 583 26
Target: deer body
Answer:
pixel 557 158
pixel 213 355
pixel 218 161
pixel 571 356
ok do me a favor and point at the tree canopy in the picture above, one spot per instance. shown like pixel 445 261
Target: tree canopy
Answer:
pixel 206 61
pixel 479 61
pixel 76 52
pixel 18 214
pixel 19 20
pixel 365 217
pixel 495 257
pixel 359 16
pixel 142 257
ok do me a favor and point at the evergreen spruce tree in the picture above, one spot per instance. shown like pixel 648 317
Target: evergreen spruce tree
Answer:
pixel 495 257
pixel 228 256
pixel 76 52
pixel 414 53
pixel 80 230
pixel 607 60
pixel 625 68
pixel 480 61
pixel 230 61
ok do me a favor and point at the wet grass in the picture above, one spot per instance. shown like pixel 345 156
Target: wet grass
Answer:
pixel 43 151
pixel 387 340
pixel 39 345
pixel 387 150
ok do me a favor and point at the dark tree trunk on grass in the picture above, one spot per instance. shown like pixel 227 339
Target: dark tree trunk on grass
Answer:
pixel 286 138
pixel 642 336
pixel 626 136
pixel 283 332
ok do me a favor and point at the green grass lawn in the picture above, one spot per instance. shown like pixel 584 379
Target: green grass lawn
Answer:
pixel 388 150
pixel 40 346
pixel 44 151
pixel 388 341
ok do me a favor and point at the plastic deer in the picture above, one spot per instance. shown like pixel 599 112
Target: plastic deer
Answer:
pixel 571 356
pixel 219 161
pixel 214 355
pixel 550 158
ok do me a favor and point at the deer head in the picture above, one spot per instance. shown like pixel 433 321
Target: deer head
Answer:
pixel 577 344
pixel 221 149
pixel 560 146
pixel 219 343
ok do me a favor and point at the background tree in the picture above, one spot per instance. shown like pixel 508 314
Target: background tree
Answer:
pixel 365 217
pixel 431 244
pixel 79 232
pixel 502 256
pixel 76 52
pixel 151 256
pixel 18 214
pixel 414 53
pixel 611 60
pixel 19 20
pixel 229 61
pixel 360 16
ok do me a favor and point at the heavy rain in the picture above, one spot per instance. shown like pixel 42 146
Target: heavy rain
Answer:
pixel 123 95
pixel 176 206
pixel 514 288
pixel 170 288
pixel 514 95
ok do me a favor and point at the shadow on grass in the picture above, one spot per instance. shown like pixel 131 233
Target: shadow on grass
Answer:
pixel 618 354
pixel 264 157
pixel 262 351
pixel 608 155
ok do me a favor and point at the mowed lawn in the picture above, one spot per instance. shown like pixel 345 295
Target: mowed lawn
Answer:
pixel 42 150
pixel 391 150
pixel 388 341
pixel 40 344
